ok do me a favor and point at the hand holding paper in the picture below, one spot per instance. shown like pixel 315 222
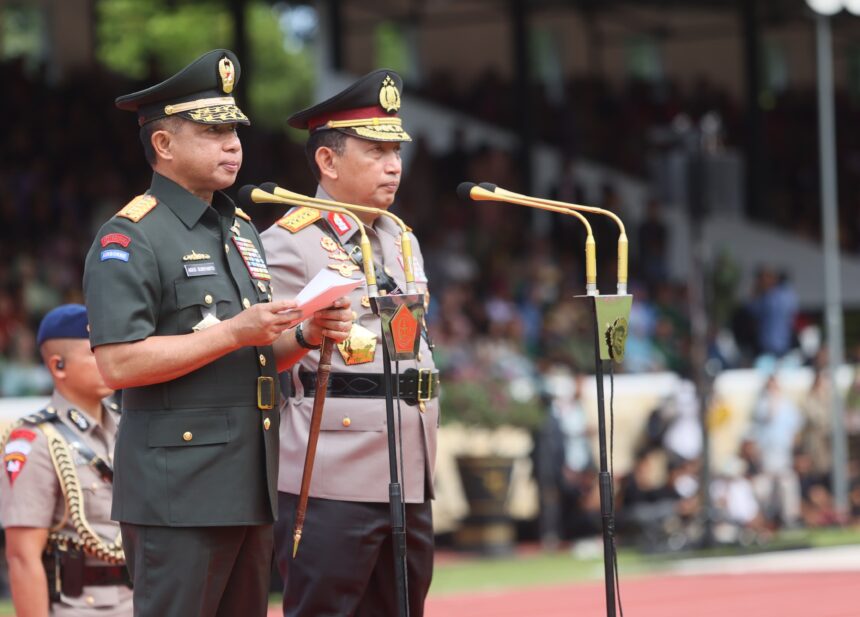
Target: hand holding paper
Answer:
pixel 321 292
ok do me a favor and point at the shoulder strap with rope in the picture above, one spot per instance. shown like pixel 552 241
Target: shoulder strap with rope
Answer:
pixel 59 448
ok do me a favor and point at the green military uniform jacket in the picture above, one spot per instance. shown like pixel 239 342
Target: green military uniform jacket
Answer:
pixel 200 450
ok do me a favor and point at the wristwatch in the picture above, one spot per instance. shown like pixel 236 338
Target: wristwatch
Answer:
pixel 300 339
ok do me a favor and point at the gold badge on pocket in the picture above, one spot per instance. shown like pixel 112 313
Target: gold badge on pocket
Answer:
pixel 360 347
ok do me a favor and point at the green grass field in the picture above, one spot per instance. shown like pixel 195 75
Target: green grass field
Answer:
pixel 521 571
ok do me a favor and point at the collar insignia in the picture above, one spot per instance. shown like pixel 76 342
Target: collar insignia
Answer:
pixel 78 419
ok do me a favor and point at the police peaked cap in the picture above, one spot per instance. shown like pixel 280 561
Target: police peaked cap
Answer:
pixel 366 109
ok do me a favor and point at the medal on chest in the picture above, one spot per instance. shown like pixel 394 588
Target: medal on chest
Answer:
pixel 252 258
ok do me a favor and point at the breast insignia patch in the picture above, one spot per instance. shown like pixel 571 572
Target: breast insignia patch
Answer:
pixel 243 215
pixel 298 219
pixel 138 207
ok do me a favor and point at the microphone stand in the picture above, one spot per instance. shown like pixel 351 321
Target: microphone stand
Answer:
pixel 610 314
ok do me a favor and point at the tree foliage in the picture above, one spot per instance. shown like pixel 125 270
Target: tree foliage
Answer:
pixel 140 37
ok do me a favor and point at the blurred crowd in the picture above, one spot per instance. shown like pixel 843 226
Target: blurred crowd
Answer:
pixel 778 478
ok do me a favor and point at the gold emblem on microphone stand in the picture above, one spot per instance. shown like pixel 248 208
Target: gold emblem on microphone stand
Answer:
pixel 616 337
pixel 389 97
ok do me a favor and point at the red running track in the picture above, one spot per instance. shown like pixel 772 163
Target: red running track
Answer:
pixel 749 595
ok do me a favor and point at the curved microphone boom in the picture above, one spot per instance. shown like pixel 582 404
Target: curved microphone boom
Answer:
pixel 252 194
pixel 405 240
pixel 470 190
pixel 623 243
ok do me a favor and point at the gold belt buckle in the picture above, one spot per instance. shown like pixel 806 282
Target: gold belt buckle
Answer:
pixel 265 393
pixel 429 373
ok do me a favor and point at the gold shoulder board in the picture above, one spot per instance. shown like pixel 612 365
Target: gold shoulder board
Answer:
pixel 138 207
pixel 242 214
pixel 299 219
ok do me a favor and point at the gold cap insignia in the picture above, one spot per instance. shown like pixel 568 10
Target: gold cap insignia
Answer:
pixel 389 97
pixel 228 75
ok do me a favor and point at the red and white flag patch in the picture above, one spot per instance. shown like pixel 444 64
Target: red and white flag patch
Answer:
pixel 15 454
pixel 339 223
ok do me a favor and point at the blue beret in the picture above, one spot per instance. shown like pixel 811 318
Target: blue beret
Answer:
pixel 65 321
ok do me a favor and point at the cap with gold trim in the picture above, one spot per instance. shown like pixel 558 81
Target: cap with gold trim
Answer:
pixel 201 92
pixel 366 109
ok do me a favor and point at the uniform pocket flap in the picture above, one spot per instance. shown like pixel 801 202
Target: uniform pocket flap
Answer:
pixel 352 421
pixel 188 429
pixel 203 291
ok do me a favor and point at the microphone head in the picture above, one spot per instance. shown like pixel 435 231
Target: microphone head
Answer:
pixel 269 187
pixel 488 186
pixel 464 190
pixel 243 197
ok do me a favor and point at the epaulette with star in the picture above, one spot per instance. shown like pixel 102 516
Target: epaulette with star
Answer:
pixel 243 215
pixel 138 207
pixel 40 417
pixel 299 218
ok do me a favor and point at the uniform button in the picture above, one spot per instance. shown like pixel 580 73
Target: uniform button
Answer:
pixel 267 424
pixel 91 600
pixel 95 486
pixel 187 436
pixel 114 406
pixel 346 421
pixel 418 356
pixel 207 298
pixel 262 360
pixel 226 248
pixel 246 303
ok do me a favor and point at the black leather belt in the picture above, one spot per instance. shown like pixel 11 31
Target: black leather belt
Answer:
pixel 106 576
pixel 415 385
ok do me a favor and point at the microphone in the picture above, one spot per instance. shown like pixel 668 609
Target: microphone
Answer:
pixel 475 192
pixel 243 197
pixel 623 244
pixel 464 190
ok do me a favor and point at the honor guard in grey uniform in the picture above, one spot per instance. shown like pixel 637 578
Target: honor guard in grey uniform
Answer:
pixel 345 564
pixel 182 319
pixel 63 551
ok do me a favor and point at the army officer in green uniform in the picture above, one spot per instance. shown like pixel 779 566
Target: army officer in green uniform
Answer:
pixel 182 319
